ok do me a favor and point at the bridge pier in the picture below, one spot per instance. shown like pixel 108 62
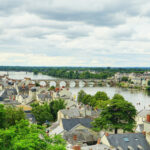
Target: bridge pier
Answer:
pixel 77 83
pixel 57 84
pixel 67 83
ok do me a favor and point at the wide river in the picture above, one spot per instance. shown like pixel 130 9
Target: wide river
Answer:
pixel 132 96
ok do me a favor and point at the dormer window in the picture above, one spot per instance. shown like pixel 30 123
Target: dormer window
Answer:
pixel 140 147
pixel 126 139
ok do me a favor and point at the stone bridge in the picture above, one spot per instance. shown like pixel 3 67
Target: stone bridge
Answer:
pixel 75 82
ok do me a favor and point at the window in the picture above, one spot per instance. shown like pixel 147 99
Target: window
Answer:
pixel 126 139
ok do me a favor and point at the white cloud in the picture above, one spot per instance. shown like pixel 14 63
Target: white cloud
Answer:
pixel 75 33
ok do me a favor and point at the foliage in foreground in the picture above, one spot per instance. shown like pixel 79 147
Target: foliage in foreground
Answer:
pixel 23 136
pixel 9 115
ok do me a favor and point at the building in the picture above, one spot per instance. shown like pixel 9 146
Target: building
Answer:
pixel 127 141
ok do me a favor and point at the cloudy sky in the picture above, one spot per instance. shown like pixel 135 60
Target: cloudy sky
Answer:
pixel 75 33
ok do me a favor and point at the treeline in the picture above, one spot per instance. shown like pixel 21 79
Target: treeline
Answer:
pixel 75 72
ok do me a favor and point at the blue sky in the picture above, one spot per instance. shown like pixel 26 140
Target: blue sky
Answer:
pixel 98 33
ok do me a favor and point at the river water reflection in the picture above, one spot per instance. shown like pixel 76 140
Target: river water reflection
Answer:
pixel 133 96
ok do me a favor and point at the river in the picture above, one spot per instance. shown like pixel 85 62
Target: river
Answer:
pixel 132 96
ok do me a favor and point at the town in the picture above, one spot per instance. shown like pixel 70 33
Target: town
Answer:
pixel 83 122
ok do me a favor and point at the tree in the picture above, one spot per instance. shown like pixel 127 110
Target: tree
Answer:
pixel 81 95
pixel 87 99
pixel 148 83
pixel 52 88
pixel 23 136
pixel 55 106
pixel 47 112
pixel 117 114
pixel 13 115
pixel 101 96
pixel 2 116
pixel 118 96
pixel 125 79
pixel 37 84
pixel 9 115
pixel 42 113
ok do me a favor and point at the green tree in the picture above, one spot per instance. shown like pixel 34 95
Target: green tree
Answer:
pixel 23 136
pixel 9 115
pixel 2 116
pixel 13 114
pixel 101 96
pixel 148 83
pixel 81 95
pixel 47 112
pixel 55 106
pixel 87 99
pixel 52 88
pixel 125 79
pixel 42 113
pixel 118 96
pixel 117 114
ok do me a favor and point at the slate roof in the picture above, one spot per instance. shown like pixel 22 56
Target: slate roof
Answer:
pixel 68 124
pixel 30 117
pixel 10 102
pixel 143 113
pixel 43 96
pixel 71 113
pixel 129 139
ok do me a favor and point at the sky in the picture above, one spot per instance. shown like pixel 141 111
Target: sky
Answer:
pixel 93 33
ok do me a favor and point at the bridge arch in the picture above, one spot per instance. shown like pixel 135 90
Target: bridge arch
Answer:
pixel 52 83
pixel 62 83
pixel 43 83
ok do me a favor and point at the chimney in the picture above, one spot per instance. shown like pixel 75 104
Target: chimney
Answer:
pixel 148 118
pixel 75 137
pixel 144 133
pixel 77 147
pixel 106 134
pixel 98 141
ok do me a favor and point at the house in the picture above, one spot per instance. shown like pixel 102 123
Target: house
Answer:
pixel 76 113
pixel 23 99
pixel 127 141
pixel 44 97
pixel 79 130
pixel 8 94
pixel 65 94
pixel 142 116
pixel 147 127
pixel 68 114
pixel 80 127
pixel 32 93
